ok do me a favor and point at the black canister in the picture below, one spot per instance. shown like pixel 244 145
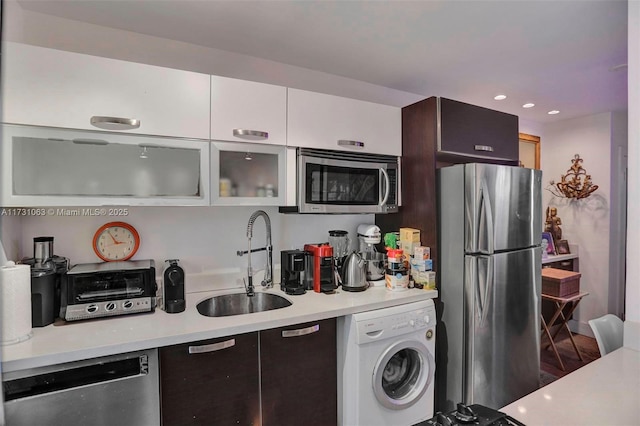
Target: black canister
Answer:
pixel 61 265
pixel 43 295
pixel 173 287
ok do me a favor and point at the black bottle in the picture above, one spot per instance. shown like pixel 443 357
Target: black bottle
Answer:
pixel 173 287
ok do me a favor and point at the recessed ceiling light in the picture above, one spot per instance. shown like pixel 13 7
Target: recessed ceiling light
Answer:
pixel 555 111
pixel 528 105
pixel 500 97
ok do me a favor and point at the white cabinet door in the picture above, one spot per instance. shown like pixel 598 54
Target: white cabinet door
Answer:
pixel 317 120
pixel 248 174
pixel 54 88
pixel 58 167
pixel 245 111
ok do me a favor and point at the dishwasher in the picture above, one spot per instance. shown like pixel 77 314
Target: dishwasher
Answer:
pixel 114 390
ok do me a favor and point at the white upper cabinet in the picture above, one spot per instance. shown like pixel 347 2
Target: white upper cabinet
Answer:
pixel 247 111
pixel 249 174
pixel 42 166
pixel 317 120
pixel 54 88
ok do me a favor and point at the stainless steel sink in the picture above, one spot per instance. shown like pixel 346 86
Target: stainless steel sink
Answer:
pixel 239 303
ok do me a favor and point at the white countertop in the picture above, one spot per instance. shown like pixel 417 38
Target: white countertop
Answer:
pixel 603 392
pixel 74 341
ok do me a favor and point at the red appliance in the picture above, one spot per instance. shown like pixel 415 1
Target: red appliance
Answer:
pixel 320 269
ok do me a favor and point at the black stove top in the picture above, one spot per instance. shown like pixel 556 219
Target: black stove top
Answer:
pixel 472 415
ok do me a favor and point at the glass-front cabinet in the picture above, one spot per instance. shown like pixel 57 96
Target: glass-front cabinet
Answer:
pixel 55 167
pixel 248 174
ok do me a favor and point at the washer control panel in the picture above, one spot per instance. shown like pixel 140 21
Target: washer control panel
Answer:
pixel 371 327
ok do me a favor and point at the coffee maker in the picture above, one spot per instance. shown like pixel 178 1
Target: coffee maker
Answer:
pixel 173 287
pixel 320 268
pixel 292 266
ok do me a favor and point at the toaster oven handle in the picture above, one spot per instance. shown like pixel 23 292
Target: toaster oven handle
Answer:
pixel 212 347
pixel 387 186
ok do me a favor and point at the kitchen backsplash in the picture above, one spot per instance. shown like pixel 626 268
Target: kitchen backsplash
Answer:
pixel 205 239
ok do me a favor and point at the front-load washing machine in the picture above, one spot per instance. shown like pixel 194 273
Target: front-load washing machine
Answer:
pixel 386 366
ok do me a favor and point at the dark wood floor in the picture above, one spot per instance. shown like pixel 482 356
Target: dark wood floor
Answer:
pixel 588 348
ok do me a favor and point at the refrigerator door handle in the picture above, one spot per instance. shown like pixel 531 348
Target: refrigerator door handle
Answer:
pixel 482 283
pixel 483 292
pixel 486 220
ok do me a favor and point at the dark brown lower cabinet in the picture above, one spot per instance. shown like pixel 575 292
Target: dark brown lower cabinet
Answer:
pixel 212 382
pixel 299 374
pixel 291 370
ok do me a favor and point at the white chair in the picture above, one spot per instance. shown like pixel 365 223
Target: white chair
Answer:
pixel 608 331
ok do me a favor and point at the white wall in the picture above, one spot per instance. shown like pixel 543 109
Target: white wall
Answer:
pixel 585 222
pixel 205 239
pixel 618 237
pixel 531 128
pixel 632 323
pixel 10 235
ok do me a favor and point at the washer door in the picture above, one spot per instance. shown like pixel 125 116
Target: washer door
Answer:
pixel 402 374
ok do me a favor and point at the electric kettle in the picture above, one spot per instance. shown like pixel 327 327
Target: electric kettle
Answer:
pixel 354 273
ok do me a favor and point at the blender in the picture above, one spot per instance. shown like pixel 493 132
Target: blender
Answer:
pixel 368 236
pixel 339 240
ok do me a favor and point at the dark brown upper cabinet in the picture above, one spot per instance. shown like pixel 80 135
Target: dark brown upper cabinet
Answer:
pixel 481 134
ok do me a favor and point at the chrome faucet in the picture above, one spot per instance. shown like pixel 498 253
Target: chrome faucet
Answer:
pixel 268 279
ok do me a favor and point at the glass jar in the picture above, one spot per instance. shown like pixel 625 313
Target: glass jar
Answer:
pixel 270 190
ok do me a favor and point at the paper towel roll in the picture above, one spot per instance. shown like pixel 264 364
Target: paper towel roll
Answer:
pixel 15 304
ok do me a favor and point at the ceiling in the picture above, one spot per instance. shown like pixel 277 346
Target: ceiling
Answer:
pixel 561 55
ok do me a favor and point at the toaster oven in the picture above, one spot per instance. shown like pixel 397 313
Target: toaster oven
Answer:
pixel 93 290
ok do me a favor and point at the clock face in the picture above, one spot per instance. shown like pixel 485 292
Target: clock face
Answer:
pixel 116 241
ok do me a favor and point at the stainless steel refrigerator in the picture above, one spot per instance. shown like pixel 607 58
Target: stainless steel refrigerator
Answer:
pixel 490 224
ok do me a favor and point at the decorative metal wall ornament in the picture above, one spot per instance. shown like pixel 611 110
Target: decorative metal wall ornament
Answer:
pixel 575 184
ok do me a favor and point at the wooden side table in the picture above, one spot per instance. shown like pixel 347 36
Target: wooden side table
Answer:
pixel 560 302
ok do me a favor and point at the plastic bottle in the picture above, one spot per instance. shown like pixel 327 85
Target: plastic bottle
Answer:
pixel 396 275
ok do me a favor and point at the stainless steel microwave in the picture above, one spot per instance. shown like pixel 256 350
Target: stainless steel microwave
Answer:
pixel 347 182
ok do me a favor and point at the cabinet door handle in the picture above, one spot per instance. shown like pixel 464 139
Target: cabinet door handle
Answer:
pixel 80 141
pixel 212 347
pixel 251 135
pixel 351 144
pixel 301 331
pixel 483 148
pixel 114 123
